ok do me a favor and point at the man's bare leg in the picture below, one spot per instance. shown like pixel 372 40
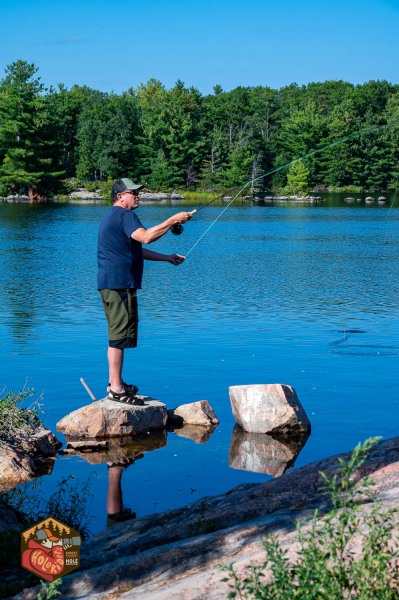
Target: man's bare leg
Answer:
pixel 115 362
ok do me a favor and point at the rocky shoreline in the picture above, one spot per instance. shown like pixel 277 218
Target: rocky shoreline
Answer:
pixel 176 554
pixel 83 196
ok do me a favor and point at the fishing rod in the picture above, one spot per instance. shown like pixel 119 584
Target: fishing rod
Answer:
pixel 178 228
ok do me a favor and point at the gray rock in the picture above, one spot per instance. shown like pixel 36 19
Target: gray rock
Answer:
pixel 30 457
pixel 45 443
pixel 195 413
pixel 106 419
pixel 153 196
pixel 83 194
pixel 16 198
pixel 269 408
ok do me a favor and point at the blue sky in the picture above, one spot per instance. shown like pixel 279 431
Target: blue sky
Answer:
pixel 111 45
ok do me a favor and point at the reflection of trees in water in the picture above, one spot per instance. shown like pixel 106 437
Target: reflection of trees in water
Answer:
pixel 23 265
pixel 37 257
pixel 22 313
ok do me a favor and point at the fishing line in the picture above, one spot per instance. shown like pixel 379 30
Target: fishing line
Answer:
pixel 217 218
pixel 277 169
pixel 394 196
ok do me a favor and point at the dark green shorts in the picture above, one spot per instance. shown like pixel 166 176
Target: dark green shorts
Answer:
pixel 120 307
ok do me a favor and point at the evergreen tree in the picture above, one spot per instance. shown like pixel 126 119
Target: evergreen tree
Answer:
pixel 65 107
pixel 107 135
pixel 171 122
pixel 298 178
pixel 26 145
pixel 175 137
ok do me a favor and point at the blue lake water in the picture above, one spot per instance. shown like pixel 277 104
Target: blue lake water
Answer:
pixel 306 296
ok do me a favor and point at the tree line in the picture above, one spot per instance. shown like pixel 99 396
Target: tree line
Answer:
pixel 179 138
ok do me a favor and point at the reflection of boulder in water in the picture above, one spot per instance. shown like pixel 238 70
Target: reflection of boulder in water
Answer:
pixel 197 433
pixel 117 450
pixel 261 453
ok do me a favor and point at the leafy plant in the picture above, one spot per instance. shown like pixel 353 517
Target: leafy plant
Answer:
pixel 17 421
pixel 49 590
pixel 69 503
pixel 327 567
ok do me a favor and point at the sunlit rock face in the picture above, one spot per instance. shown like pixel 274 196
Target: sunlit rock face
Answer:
pixel 107 418
pixel 262 453
pixel 195 413
pixel 269 408
pixel 34 455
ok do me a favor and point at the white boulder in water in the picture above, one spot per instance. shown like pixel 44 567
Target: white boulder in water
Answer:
pixel 272 408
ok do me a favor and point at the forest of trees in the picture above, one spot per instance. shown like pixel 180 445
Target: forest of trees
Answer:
pixel 178 138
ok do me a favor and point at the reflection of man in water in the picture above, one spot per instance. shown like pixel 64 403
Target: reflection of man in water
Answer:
pixel 115 509
pixel 46 557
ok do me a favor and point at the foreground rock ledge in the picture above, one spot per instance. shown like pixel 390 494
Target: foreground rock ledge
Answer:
pixel 107 418
pixel 272 408
pixel 175 555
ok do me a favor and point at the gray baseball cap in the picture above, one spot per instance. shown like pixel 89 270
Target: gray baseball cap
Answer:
pixel 44 534
pixel 123 185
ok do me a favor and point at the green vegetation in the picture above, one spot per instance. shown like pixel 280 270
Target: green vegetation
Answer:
pixel 26 141
pixel 298 178
pixel 17 422
pixel 49 590
pixel 177 138
pixel 326 567
pixel 69 503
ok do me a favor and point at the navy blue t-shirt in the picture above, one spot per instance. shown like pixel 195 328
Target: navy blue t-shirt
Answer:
pixel 120 258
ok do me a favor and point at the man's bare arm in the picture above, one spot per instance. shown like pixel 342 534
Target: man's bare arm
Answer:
pixel 147 236
pixel 173 259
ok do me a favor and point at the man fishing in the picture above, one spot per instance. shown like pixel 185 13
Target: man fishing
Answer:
pixel 121 258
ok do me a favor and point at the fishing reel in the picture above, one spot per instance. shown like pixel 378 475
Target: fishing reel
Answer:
pixel 177 229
